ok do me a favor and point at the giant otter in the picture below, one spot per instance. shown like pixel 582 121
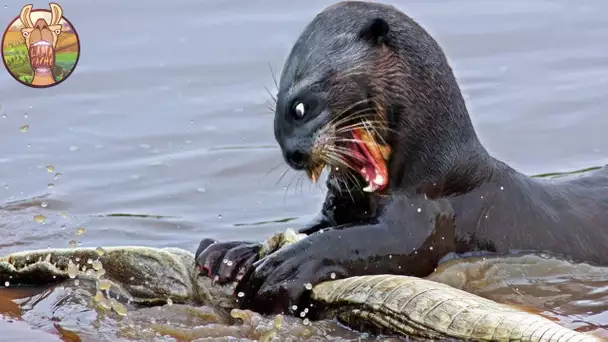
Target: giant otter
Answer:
pixel 369 93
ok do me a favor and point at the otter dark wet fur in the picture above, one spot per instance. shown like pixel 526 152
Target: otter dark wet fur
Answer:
pixel 445 192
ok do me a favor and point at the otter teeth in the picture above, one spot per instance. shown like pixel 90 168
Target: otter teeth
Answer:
pixel 372 185
pixel 379 179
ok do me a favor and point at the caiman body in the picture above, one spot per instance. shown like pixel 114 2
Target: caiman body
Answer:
pixel 399 305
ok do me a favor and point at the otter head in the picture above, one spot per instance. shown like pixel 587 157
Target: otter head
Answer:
pixel 41 37
pixel 369 93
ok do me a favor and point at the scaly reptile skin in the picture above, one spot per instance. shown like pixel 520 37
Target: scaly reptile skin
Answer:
pixel 401 305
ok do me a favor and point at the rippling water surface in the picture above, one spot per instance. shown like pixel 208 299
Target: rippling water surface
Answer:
pixel 162 135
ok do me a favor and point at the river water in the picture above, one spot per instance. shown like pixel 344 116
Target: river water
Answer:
pixel 162 135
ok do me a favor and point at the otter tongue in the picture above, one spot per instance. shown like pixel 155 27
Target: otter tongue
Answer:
pixel 374 169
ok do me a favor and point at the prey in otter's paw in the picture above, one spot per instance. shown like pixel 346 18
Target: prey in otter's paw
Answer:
pixel 368 94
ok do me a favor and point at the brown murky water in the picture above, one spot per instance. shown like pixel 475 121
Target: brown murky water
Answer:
pixel 162 136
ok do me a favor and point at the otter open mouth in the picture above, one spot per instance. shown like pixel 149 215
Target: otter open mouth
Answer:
pixel 42 56
pixel 367 157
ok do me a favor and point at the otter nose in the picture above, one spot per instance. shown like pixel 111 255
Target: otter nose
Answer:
pixel 296 158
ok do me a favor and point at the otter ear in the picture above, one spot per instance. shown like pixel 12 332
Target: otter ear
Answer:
pixel 375 31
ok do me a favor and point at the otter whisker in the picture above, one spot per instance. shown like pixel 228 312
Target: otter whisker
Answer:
pixel 364 120
pixel 367 125
pixel 338 158
pixel 335 159
pixel 272 96
pixel 364 113
pixel 272 169
pixel 346 185
pixel 274 78
pixel 340 117
pixel 287 187
pixel 344 152
pixel 358 125
pixel 282 176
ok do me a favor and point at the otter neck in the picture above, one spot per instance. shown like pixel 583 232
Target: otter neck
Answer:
pixel 443 159
pixel 43 78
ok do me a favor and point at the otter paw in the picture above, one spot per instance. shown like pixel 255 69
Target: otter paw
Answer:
pixel 282 282
pixel 226 262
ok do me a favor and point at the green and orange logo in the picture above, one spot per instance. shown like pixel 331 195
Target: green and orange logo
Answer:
pixel 40 48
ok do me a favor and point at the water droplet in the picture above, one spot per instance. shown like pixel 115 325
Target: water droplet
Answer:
pixel 99 251
pixel 306 321
pixel 191 121
pixel 278 321
pixel 7 284
pixel 294 307
pixel 97 265
pixel 72 269
pixel 40 218
pixel 104 284
pixel 44 204
pixel 51 185
pixel 4 116
pixel 169 301
pixel 419 210
pixel 24 128
pixel 74 148
pixel 98 297
pixel 80 231
pixel 73 243
pixel 308 286
pixel 119 308
pixel 64 214
pixel 76 282
pixel 332 275
pixel 229 263
pixel 131 278
pixel 63 227
pixel 302 314
pixel 201 190
pixel 240 294
pixel 431 248
pixel 57 175
pixel 219 216
pixel 502 188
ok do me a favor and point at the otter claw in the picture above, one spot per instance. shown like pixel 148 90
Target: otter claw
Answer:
pixel 226 261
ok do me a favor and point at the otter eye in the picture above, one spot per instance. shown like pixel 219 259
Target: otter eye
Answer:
pixel 299 109
pixel 25 33
pixel 57 31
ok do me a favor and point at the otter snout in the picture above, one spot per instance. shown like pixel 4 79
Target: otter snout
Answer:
pixel 297 154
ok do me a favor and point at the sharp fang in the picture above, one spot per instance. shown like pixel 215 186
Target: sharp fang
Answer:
pixel 379 179
pixel 371 187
